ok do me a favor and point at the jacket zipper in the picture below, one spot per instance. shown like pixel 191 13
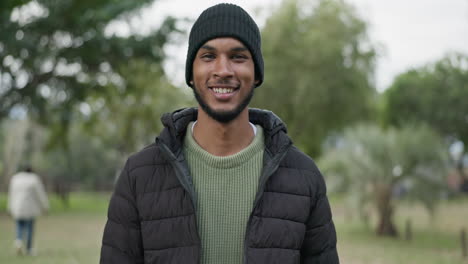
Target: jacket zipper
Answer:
pixel 182 176
pixel 270 168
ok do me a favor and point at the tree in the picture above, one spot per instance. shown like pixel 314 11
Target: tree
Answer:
pixel 54 53
pixel 129 121
pixel 435 94
pixel 109 126
pixel 372 166
pixel 14 143
pixel 319 65
pixel 89 163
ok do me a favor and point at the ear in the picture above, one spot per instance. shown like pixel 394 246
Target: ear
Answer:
pixel 191 82
pixel 257 82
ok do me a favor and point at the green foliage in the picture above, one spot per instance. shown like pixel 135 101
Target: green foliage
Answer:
pixel 435 94
pixel 365 155
pixel 55 53
pixel 103 131
pixel 318 69
pixel 88 162
pixel 372 166
pixel 96 96
pixel 130 121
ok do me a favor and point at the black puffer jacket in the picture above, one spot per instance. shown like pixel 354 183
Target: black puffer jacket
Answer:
pixel 151 216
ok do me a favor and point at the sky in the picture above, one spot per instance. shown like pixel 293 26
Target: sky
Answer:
pixel 409 33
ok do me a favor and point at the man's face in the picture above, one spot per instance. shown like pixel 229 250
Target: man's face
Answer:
pixel 223 78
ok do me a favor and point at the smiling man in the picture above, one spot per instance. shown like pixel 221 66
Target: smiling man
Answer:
pixel 222 183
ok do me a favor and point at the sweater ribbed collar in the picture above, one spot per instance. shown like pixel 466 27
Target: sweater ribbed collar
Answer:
pixel 225 162
pixel 176 123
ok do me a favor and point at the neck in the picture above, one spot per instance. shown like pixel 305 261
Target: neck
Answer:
pixel 223 139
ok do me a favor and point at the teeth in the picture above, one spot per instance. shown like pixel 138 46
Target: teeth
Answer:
pixel 223 90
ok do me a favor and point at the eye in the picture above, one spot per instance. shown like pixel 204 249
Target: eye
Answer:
pixel 207 56
pixel 239 57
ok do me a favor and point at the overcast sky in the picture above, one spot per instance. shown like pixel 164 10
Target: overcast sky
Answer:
pixel 410 32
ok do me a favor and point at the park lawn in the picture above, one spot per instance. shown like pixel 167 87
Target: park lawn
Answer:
pixel 436 240
pixel 64 236
pixel 74 235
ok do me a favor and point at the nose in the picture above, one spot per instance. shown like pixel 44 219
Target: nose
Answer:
pixel 223 68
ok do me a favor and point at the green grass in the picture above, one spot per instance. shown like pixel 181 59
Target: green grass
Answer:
pixel 74 235
pixel 65 235
pixel 435 240
pixel 78 203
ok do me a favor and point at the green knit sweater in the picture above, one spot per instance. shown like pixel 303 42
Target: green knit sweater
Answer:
pixel 226 188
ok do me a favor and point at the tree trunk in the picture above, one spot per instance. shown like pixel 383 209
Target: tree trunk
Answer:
pixel 13 149
pixel 463 176
pixel 385 211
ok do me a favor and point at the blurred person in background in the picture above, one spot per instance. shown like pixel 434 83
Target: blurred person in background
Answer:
pixel 222 183
pixel 27 200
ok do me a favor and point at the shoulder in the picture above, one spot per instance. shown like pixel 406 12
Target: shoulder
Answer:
pixel 299 161
pixel 34 178
pixel 137 170
pixel 148 156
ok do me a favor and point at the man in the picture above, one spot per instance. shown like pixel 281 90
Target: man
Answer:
pixel 27 199
pixel 222 183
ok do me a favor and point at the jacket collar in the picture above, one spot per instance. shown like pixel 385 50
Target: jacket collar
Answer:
pixel 175 123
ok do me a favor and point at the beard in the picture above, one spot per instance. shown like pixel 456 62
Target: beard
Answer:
pixel 221 115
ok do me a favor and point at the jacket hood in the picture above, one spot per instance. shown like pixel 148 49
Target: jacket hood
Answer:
pixel 175 126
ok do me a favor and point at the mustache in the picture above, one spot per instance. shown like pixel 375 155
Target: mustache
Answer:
pixel 224 82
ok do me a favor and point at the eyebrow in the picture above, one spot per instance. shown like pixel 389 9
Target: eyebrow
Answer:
pixel 239 49
pixel 208 47
pixel 236 49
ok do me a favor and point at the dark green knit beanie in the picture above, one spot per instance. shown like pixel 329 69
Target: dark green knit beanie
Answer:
pixel 225 20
